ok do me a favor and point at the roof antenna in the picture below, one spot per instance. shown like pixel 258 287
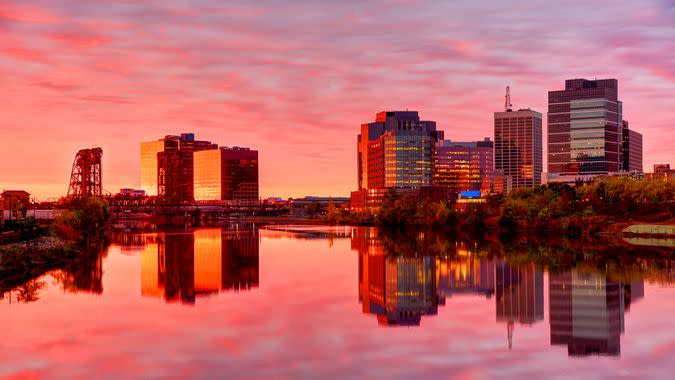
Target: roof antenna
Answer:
pixel 507 100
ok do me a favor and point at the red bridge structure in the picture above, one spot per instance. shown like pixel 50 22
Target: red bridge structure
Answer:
pixel 86 175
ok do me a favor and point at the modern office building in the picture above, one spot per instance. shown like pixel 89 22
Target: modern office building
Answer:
pixel 585 128
pixel 167 165
pixel 149 151
pixel 395 152
pixel 464 166
pixel 518 147
pixel 632 149
pixel 226 174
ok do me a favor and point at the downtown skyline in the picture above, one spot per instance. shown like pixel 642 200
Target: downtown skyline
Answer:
pixel 297 80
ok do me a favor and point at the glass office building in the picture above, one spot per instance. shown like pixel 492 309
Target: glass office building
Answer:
pixel 585 128
pixel 226 174
pixel 464 166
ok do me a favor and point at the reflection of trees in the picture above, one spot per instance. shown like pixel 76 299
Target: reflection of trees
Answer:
pixel 25 293
pixel 74 270
pixel 621 263
pixel 85 274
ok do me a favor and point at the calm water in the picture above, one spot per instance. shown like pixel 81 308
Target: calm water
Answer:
pixel 346 303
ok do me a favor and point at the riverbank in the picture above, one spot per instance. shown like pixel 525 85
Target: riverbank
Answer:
pixel 20 262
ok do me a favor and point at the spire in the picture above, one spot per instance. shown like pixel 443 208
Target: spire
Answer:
pixel 509 328
pixel 507 100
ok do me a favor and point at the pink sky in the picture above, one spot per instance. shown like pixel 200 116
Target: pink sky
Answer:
pixel 295 79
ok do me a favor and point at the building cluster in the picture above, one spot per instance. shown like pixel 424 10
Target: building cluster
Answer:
pixel 587 137
pixel 184 169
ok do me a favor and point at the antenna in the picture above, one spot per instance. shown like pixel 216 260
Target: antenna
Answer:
pixel 507 100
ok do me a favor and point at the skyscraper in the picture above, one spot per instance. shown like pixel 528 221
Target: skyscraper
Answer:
pixel 395 152
pixel 632 149
pixel 584 128
pixel 462 166
pixel 518 147
pixel 227 174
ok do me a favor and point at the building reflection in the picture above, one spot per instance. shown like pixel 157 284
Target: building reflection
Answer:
pixel 402 288
pixel 520 295
pixel 587 311
pixel 398 289
pixel 184 266
pixel 465 273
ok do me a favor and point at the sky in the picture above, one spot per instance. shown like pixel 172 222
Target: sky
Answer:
pixel 295 79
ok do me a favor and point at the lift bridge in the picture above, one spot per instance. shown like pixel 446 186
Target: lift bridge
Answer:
pixel 86 174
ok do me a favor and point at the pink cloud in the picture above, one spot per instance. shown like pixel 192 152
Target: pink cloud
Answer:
pixel 296 80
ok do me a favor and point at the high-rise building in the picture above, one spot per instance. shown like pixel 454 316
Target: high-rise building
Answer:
pixel 401 148
pixel 632 149
pixel 518 147
pixel 585 128
pixel 464 166
pixel 167 165
pixel 394 152
pixel 149 151
pixel 226 174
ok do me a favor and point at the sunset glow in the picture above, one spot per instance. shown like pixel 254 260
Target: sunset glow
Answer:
pixel 295 79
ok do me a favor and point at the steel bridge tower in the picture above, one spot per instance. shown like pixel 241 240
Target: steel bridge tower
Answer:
pixel 86 175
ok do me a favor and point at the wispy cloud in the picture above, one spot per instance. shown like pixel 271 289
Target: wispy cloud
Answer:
pixel 252 73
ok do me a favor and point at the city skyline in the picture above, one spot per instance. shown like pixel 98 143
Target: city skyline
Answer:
pixel 295 83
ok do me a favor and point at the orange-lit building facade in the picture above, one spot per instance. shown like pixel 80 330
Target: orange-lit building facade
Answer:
pixel 518 146
pixel 167 165
pixel 226 174
pixel 394 152
pixel 464 166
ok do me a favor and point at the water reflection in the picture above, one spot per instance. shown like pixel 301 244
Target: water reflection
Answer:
pixel 404 279
pixel 489 296
pixel 81 275
pixel 183 266
pixel 587 311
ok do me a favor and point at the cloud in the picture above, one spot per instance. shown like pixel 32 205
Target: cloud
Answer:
pixel 255 73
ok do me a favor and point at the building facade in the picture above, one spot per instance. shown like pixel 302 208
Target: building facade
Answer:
pixel 167 165
pixel 661 171
pixel 464 166
pixel 585 128
pixel 518 147
pixel 394 152
pixel 15 203
pixel 226 174
pixel 632 149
